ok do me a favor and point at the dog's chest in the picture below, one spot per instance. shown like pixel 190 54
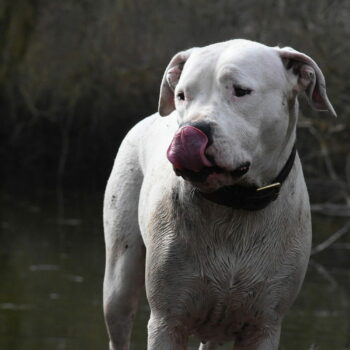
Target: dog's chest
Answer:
pixel 210 274
pixel 213 292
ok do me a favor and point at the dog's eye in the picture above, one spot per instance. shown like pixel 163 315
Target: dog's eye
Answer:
pixel 181 96
pixel 239 92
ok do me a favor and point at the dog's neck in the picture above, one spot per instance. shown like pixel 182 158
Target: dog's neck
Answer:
pixel 278 156
pixel 278 161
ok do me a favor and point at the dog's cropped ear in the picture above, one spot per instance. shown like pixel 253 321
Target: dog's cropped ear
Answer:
pixel 170 79
pixel 310 78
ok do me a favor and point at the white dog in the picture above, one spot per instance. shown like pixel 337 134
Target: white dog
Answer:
pixel 208 207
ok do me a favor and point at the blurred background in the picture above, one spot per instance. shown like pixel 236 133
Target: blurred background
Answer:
pixel 74 77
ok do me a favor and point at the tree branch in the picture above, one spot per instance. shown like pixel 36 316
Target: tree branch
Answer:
pixel 328 242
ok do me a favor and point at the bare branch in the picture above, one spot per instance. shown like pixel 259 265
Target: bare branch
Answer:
pixel 328 242
pixel 331 209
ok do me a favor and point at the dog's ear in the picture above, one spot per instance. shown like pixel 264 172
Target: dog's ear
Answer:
pixel 310 78
pixel 170 79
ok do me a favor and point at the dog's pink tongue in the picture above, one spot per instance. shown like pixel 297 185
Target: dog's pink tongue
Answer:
pixel 187 148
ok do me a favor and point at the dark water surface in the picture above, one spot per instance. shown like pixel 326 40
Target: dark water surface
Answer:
pixel 51 271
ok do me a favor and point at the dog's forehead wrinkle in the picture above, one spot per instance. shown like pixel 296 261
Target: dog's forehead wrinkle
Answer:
pixel 232 74
pixel 197 69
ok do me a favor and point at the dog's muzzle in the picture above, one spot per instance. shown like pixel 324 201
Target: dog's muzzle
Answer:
pixel 187 154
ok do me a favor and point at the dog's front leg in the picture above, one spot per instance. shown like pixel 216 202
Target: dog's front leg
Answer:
pixel 164 337
pixel 125 250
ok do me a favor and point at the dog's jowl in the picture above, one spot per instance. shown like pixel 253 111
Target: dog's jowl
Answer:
pixel 206 205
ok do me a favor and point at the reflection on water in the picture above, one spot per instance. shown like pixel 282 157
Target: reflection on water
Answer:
pixel 51 270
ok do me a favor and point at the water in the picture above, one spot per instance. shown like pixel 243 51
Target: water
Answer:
pixel 51 271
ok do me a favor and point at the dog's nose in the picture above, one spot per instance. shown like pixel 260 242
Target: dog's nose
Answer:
pixel 204 127
pixel 187 149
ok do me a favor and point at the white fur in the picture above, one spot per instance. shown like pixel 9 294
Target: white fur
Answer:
pixel 219 273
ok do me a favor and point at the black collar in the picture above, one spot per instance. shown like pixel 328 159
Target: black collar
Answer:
pixel 253 197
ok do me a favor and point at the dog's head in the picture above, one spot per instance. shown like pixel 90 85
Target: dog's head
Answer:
pixel 236 105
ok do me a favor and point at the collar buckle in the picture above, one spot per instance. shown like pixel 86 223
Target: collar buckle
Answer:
pixel 272 190
pixel 276 185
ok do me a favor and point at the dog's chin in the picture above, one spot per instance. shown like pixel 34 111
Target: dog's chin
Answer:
pixel 214 181
pixel 208 181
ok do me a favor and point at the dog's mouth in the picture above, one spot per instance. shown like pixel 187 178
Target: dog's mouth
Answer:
pixel 199 176
pixel 202 175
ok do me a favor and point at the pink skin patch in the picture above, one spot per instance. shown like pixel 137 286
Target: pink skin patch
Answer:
pixel 187 149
